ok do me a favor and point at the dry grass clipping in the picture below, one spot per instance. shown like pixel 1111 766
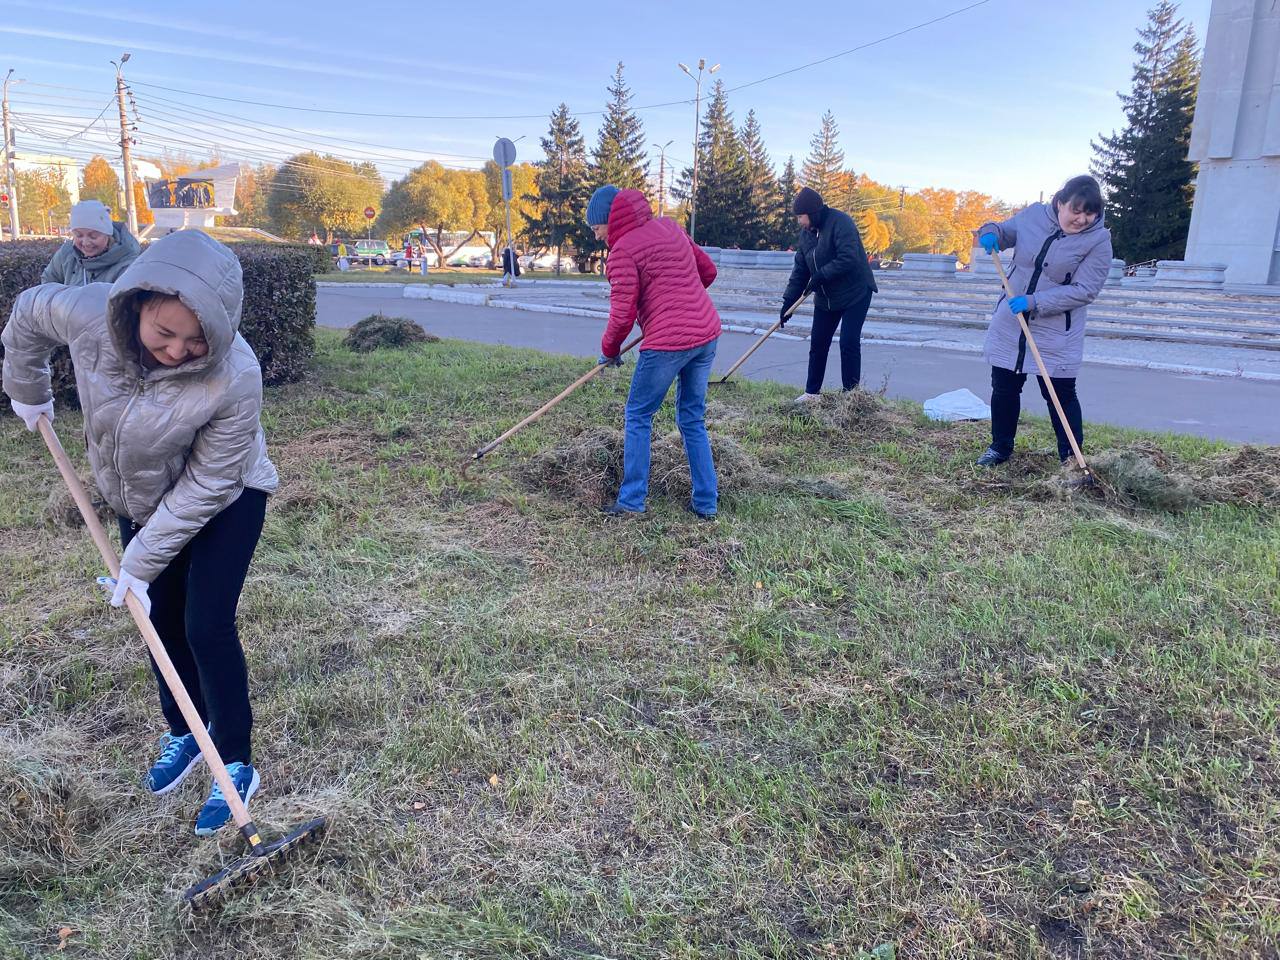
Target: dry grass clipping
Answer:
pixel 589 467
pixel 376 332
pixel 1248 475
pixel 856 409
pixel 60 510
pixel 1145 476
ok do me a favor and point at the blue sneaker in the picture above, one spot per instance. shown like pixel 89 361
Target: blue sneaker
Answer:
pixel 178 757
pixel 215 813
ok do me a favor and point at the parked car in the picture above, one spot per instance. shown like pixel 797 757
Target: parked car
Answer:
pixel 480 260
pixel 379 251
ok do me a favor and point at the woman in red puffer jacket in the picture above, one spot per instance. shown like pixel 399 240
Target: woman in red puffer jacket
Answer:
pixel 658 277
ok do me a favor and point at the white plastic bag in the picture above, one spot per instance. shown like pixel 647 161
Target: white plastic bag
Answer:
pixel 962 404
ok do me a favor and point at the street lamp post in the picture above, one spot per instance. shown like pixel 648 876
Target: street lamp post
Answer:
pixel 662 174
pixel 697 122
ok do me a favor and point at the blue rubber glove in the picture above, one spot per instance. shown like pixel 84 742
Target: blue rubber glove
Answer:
pixel 1021 305
pixel 990 243
pixel 610 361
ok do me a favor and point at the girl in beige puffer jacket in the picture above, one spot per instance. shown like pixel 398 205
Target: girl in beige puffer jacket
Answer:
pixel 171 395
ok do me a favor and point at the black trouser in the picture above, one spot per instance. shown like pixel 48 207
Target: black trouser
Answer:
pixel 1006 404
pixel 850 321
pixel 193 608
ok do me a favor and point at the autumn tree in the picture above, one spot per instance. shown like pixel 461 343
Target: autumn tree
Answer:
pixel 436 200
pixel 311 192
pixel 140 207
pixel 43 200
pixel 253 188
pixel 876 233
pixel 912 227
pixel 524 203
pixel 99 182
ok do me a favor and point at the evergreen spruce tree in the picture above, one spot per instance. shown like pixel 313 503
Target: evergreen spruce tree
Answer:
pixel 724 187
pixel 1144 168
pixel 619 156
pixel 783 220
pixel 759 215
pixel 823 166
pixel 563 188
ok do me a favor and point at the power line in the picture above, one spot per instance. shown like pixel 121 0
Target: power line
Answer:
pixel 237 131
pixel 85 129
pixel 242 121
pixel 576 113
pixel 861 46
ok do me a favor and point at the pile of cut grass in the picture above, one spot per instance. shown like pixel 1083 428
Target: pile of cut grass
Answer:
pixel 380 332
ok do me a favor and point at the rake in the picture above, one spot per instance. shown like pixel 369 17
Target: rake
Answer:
pixel 777 325
pixel 1089 479
pixel 537 414
pixel 262 857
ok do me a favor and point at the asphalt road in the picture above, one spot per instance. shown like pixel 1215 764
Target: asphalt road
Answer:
pixel 1219 407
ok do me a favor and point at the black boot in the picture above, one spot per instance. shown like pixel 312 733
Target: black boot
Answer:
pixel 992 458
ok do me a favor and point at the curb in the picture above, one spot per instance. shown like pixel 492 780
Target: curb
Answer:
pixel 452 294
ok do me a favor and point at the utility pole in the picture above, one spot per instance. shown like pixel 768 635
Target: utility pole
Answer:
pixel 126 142
pixel 697 122
pixel 902 198
pixel 8 163
pixel 662 175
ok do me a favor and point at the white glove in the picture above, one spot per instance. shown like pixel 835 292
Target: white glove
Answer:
pixel 31 414
pixel 127 581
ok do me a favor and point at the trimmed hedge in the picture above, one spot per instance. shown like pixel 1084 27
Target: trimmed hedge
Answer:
pixel 278 319
pixel 279 306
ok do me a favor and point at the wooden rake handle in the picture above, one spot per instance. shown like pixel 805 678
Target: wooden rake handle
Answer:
pixel 1044 374
pixel 537 414
pixel 154 644
pixel 767 334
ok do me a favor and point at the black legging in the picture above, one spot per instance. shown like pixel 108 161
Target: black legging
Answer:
pixel 850 321
pixel 193 608
pixel 1006 405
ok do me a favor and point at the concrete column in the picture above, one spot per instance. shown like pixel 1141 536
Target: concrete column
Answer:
pixel 1236 141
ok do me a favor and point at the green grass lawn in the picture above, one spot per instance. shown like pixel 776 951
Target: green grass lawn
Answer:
pixel 387 275
pixel 936 708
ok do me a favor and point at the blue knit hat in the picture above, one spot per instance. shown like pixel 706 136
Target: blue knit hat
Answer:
pixel 599 204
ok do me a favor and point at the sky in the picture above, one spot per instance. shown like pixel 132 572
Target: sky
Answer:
pixel 1003 97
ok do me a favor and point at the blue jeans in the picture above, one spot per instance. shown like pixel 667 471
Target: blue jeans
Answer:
pixel 655 372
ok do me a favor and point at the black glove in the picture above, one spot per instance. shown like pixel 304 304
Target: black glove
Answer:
pixel 782 315
pixel 609 361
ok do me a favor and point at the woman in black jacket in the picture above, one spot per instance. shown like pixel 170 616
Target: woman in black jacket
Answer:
pixel 832 264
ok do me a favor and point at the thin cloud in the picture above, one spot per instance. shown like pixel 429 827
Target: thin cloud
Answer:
pixel 299 66
pixel 203 29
